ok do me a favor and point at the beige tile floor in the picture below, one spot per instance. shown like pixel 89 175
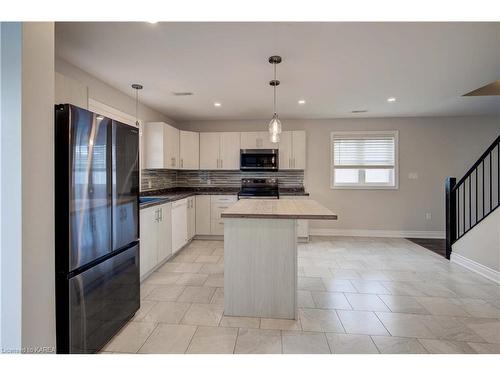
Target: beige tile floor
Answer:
pixel 356 295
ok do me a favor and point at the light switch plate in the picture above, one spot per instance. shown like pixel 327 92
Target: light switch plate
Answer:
pixel 413 175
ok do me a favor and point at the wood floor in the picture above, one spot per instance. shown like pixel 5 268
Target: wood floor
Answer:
pixel 355 295
pixel 432 244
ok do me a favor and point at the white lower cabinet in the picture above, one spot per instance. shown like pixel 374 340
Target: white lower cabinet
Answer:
pixel 203 215
pixel 155 236
pixel 179 224
pixel 218 204
pixel 208 210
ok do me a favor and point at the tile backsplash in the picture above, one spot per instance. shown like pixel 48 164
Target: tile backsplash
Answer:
pixel 153 179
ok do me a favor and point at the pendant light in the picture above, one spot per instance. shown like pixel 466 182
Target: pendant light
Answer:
pixel 137 87
pixel 275 123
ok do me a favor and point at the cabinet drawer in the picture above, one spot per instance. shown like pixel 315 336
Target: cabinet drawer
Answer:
pixel 223 198
pixel 217 227
pixel 218 208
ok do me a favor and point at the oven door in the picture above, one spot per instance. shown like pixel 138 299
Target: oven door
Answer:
pixel 258 160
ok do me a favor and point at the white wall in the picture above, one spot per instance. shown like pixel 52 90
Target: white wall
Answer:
pixel 433 147
pixel 481 245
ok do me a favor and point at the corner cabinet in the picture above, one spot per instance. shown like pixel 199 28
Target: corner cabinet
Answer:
pixel 292 150
pixel 161 146
pixel 189 150
pixel 220 151
pixel 156 237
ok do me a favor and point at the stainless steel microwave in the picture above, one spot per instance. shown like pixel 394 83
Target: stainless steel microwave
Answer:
pixel 259 160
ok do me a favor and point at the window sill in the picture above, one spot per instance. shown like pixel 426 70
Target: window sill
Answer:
pixel 364 187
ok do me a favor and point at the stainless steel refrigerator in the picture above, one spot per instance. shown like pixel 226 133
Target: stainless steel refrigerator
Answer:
pixel 97 228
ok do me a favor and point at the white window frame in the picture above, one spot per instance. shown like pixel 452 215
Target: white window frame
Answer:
pixel 360 186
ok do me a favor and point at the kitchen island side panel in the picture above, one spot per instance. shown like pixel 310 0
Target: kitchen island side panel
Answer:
pixel 260 268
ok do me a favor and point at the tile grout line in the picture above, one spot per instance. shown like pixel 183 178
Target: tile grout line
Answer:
pixel 152 331
pixel 191 340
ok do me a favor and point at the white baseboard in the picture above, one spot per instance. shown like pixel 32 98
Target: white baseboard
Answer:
pixel 376 233
pixel 476 267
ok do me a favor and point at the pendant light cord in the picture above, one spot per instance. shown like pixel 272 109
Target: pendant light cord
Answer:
pixel 136 107
pixel 274 89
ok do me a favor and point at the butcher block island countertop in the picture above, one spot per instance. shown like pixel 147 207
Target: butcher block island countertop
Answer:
pixel 279 209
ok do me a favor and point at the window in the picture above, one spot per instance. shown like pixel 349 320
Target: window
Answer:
pixel 364 160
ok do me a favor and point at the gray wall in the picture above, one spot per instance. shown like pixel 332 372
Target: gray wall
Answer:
pixel 38 185
pixel 433 147
pixel 10 232
pixel 28 307
pixel 481 245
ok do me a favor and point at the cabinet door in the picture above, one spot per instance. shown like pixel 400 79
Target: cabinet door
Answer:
pixel 179 224
pixel 203 214
pixel 285 150
pixel 153 146
pixel 299 149
pixel 191 217
pixel 165 232
pixel 189 150
pixel 209 150
pixel 171 147
pixel 265 141
pixel 149 239
pixel 230 151
pixel 250 140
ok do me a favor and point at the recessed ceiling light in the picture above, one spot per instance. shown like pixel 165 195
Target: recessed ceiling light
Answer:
pixel 152 22
pixel 391 99
pixel 217 104
pixel 302 101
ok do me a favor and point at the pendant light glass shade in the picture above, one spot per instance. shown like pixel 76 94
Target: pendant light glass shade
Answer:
pixel 275 125
pixel 274 137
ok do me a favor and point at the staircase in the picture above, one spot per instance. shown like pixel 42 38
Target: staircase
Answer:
pixel 474 197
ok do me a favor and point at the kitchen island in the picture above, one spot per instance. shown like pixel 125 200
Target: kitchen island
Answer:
pixel 260 255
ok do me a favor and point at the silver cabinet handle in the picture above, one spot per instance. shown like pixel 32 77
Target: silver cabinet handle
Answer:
pixel 221 163
pixel 161 214
pixel 172 162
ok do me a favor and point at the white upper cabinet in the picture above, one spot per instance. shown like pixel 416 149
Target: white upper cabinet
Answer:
pixel 171 149
pixel 220 150
pixel 209 150
pixel 161 146
pixel 292 150
pixel 257 140
pixel 230 150
pixel 189 155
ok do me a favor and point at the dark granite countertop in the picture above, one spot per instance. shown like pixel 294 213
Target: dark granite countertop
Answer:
pixel 175 194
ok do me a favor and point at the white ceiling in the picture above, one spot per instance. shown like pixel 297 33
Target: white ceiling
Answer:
pixel 335 67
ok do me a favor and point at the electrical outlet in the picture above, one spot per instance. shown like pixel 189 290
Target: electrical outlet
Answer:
pixel 149 184
pixel 428 216
pixel 413 175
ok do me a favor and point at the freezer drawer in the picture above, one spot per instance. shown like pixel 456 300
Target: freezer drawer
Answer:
pixel 102 299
